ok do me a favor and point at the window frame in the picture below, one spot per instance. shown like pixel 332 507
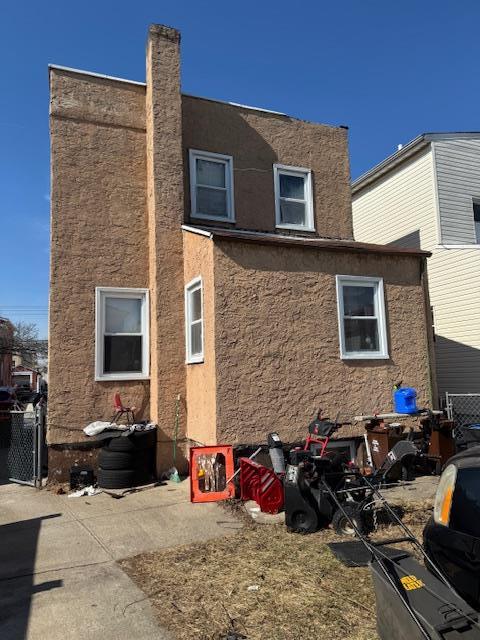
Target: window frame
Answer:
pixel 227 161
pixel 101 294
pixel 380 316
pixel 475 203
pixel 190 287
pixel 283 169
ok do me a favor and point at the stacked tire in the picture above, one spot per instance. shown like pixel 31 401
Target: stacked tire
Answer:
pixel 127 461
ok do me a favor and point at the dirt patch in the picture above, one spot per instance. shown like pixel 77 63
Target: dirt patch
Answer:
pixel 263 584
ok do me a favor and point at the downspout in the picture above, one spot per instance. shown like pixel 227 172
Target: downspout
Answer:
pixel 433 391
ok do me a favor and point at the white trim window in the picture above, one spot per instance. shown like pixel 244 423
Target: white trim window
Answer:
pixel 361 318
pixel 293 198
pixel 211 186
pixel 194 320
pixel 121 334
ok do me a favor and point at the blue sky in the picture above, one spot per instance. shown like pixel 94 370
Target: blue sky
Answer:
pixel 389 70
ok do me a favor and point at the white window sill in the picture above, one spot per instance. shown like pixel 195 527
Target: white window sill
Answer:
pixel 458 246
pixel 364 356
pixel 121 377
pixel 202 216
pixel 295 227
pixel 195 360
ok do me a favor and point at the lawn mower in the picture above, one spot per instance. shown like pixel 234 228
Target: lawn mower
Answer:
pixel 431 598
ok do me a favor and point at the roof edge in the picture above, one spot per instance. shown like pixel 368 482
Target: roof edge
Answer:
pixel 258 237
pixel 390 162
pixel 95 75
pixel 237 105
pixel 407 151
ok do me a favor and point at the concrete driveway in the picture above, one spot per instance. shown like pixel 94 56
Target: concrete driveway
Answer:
pixel 58 575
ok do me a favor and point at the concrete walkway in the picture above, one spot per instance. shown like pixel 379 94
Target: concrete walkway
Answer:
pixel 58 575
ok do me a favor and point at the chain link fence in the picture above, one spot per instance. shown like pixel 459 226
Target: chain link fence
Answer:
pixel 463 408
pixel 26 449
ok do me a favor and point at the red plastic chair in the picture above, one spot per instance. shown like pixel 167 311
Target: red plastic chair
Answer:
pixel 120 410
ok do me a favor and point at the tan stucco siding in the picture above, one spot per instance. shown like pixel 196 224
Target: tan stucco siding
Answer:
pixel 201 390
pixel 165 214
pixel 277 344
pixel 257 140
pixel 98 238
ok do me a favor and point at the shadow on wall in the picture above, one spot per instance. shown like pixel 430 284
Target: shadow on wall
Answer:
pixel 217 128
pixel 290 259
pixel 410 241
pixel 17 586
pixel 458 367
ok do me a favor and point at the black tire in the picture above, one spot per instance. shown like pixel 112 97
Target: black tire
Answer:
pixel 136 441
pixel 120 444
pixel 341 523
pixel 407 473
pixel 115 479
pixel 116 460
pixel 303 522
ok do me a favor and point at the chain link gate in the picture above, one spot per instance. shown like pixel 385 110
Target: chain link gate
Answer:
pixel 463 408
pixel 26 453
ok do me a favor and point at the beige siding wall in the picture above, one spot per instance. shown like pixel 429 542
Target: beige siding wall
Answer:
pixel 455 294
pixel 402 208
pixel 201 395
pixel 399 208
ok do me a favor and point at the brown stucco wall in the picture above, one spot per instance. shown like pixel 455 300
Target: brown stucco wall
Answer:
pixel 201 389
pixel 277 345
pixel 257 140
pixel 165 181
pixel 98 237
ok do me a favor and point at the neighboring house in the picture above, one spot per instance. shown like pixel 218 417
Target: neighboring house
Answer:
pixel 205 249
pixel 6 340
pixel 428 195
pixel 24 376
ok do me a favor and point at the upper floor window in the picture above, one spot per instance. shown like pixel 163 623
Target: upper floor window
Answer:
pixel 194 320
pixel 211 186
pixel 121 334
pixel 361 318
pixel 476 219
pixel 293 198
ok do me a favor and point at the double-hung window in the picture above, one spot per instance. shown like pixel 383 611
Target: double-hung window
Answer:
pixel 194 320
pixel 361 317
pixel 121 334
pixel 293 198
pixel 211 186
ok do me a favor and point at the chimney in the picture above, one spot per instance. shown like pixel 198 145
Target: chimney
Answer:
pixel 165 206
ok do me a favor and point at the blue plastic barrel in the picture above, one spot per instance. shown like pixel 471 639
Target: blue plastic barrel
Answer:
pixel 405 400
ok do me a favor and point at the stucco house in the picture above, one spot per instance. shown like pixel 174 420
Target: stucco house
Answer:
pixel 427 195
pixel 205 250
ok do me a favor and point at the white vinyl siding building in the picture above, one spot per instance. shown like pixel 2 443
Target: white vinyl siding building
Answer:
pixel 423 196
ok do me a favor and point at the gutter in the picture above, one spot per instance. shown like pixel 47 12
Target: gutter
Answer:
pixel 264 238
pixel 197 230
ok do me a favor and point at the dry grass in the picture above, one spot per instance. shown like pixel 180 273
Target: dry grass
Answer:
pixel 201 592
